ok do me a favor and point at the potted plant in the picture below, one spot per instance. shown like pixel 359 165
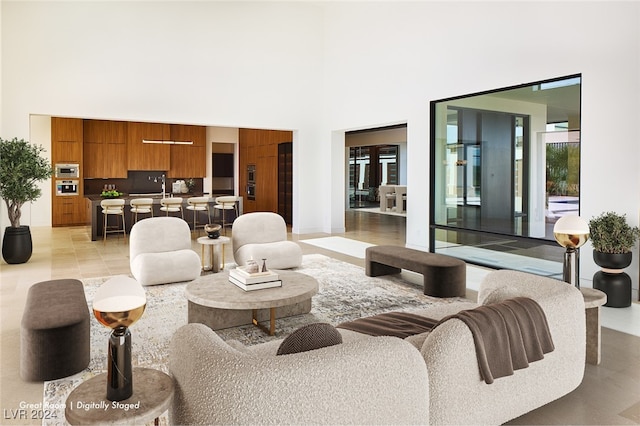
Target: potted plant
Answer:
pixel 612 239
pixel 21 167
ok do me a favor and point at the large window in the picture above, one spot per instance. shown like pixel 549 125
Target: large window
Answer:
pixel 370 167
pixel 505 165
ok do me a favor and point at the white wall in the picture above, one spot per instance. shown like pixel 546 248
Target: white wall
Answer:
pixel 388 60
pixel 231 64
pixel 320 68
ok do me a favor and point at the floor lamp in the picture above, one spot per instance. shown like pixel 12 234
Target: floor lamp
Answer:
pixel 571 232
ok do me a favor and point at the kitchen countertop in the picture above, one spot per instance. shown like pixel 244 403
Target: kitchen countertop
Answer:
pixel 157 195
pixel 95 214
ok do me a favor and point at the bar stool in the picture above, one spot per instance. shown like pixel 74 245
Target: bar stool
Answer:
pixel 223 203
pixel 198 204
pixel 140 206
pixel 172 205
pixel 113 207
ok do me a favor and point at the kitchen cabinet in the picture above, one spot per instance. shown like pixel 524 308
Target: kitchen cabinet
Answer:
pixel 148 156
pixel 69 210
pixel 105 149
pixel 67 147
pixel 66 140
pixel 260 148
pixel 188 161
pixel 285 181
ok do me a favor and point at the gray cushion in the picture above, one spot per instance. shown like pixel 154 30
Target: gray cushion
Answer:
pixel 310 337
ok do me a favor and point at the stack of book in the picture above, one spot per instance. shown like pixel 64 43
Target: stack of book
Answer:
pixel 254 281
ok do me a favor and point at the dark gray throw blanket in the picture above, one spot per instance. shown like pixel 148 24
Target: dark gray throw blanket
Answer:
pixel 398 324
pixel 507 335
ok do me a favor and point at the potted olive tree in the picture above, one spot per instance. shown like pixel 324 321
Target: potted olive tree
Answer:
pixel 613 239
pixel 21 167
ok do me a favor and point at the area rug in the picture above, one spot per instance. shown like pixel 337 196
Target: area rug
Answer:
pixel 342 245
pixel 345 293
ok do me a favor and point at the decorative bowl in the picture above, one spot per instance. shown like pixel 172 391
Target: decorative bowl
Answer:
pixel 212 230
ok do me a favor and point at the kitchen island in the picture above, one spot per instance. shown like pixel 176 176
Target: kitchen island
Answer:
pixel 97 218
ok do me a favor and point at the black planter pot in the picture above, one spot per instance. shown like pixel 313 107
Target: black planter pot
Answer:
pixel 16 244
pixel 612 260
pixel 612 280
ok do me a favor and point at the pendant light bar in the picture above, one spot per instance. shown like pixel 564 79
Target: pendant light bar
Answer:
pixel 168 142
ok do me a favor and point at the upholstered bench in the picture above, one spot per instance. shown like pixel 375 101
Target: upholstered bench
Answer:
pixel 54 333
pixel 444 276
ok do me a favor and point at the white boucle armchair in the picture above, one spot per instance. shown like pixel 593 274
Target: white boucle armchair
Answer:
pixel 160 251
pixel 263 235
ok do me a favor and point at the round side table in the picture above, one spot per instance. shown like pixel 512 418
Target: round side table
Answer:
pixel 593 299
pixel 152 395
pixel 216 245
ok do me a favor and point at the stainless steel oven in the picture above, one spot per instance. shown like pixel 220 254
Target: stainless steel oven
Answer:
pixel 67 187
pixel 67 170
pixel 251 182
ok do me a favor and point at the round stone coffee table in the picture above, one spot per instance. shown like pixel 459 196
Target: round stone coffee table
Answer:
pixel 218 303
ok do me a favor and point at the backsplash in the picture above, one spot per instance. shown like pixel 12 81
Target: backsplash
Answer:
pixel 138 182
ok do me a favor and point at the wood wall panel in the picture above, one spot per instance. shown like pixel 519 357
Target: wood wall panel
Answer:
pixel 148 156
pixel 188 161
pixel 260 147
pixel 105 149
pixel 66 140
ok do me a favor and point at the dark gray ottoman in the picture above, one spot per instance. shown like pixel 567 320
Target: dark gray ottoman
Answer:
pixel 444 276
pixel 54 333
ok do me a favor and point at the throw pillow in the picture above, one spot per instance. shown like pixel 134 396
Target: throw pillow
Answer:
pixel 310 337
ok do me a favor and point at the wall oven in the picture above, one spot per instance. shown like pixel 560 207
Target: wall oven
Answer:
pixel 67 170
pixel 251 182
pixel 67 187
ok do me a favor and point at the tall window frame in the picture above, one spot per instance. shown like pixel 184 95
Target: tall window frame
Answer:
pixel 475 138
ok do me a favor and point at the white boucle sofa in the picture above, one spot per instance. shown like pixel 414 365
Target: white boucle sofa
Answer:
pixel 160 251
pixel 379 380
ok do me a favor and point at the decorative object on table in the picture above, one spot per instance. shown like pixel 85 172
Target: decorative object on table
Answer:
pixel 176 187
pixel 110 193
pixel 264 265
pixel 612 239
pixel 251 267
pixel 212 230
pixel 118 304
pixel 191 184
pixel 254 280
pixel 571 232
pixel 21 168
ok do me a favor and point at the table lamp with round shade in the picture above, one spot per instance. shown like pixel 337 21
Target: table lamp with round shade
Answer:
pixel 571 232
pixel 119 303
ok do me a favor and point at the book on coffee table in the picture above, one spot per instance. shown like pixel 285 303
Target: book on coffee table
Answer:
pixel 255 286
pixel 253 278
